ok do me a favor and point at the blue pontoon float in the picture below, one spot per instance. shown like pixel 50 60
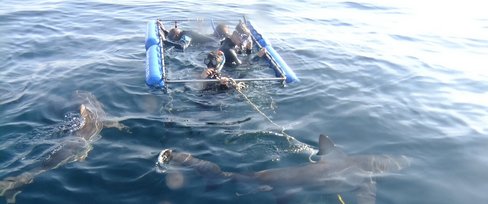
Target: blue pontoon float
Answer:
pixel 156 71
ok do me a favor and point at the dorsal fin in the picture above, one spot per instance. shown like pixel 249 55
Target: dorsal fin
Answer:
pixel 325 145
pixel 82 109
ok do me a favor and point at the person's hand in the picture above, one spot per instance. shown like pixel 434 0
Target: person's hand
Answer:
pixel 249 45
pixel 261 52
pixel 208 72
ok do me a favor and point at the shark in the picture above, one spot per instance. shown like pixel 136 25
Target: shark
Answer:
pixel 334 172
pixel 74 148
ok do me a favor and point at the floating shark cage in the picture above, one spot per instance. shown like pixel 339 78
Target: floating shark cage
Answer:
pixel 156 70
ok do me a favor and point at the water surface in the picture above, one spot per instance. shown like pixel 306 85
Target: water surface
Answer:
pixel 378 77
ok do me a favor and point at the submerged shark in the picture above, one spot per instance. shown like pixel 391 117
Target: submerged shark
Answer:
pixel 335 172
pixel 75 148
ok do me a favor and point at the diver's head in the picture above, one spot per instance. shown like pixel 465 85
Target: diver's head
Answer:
pixel 238 38
pixel 215 59
pixel 174 34
pixel 222 31
pixel 242 29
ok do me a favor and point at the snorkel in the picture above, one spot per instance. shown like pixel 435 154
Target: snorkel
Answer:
pixel 215 59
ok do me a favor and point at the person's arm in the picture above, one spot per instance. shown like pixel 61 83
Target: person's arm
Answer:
pixel 200 38
pixel 259 55
pixel 211 73
pixel 234 59
pixel 185 41
pixel 248 46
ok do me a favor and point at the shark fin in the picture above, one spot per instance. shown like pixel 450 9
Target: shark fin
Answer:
pixel 325 145
pixel 82 109
pixel 116 124
pixel 218 181
pixel 265 188
pixel 9 188
pixel 10 196
pixel 366 194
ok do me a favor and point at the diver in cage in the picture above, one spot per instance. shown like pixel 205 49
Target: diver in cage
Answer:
pixel 232 44
pixel 182 39
pixel 214 62
pixel 239 42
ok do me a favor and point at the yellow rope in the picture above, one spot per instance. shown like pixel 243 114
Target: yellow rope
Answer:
pixel 340 199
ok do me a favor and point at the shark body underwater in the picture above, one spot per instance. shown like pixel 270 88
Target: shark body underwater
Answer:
pixel 75 148
pixel 335 172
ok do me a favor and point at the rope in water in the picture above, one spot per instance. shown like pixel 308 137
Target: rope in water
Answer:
pixel 339 197
pixel 239 86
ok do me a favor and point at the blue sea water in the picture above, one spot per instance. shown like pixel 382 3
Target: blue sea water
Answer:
pixel 378 77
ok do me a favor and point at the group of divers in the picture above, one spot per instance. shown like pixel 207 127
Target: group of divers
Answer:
pixel 233 46
pixel 333 172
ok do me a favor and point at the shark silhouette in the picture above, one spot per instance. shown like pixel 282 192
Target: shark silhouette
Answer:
pixel 74 148
pixel 335 172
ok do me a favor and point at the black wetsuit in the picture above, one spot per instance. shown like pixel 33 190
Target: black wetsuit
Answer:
pixel 188 37
pixel 198 38
pixel 230 52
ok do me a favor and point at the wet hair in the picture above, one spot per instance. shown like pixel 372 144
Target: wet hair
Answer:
pixel 242 28
pixel 238 38
pixel 222 30
pixel 174 34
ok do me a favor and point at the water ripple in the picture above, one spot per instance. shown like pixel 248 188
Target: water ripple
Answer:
pixel 378 77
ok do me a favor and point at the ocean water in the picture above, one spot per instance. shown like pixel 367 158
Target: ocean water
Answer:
pixel 377 77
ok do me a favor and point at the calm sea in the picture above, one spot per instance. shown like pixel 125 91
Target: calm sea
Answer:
pixel 378 77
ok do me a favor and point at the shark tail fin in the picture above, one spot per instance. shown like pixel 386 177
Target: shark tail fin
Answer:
pixel 367 193
pixel 4 187
pixel 9 188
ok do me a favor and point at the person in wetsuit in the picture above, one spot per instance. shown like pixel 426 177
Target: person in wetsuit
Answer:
pixel 232 44
pixel 182 39
pixel 221 31
pixel 236 43
pixel 214 61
